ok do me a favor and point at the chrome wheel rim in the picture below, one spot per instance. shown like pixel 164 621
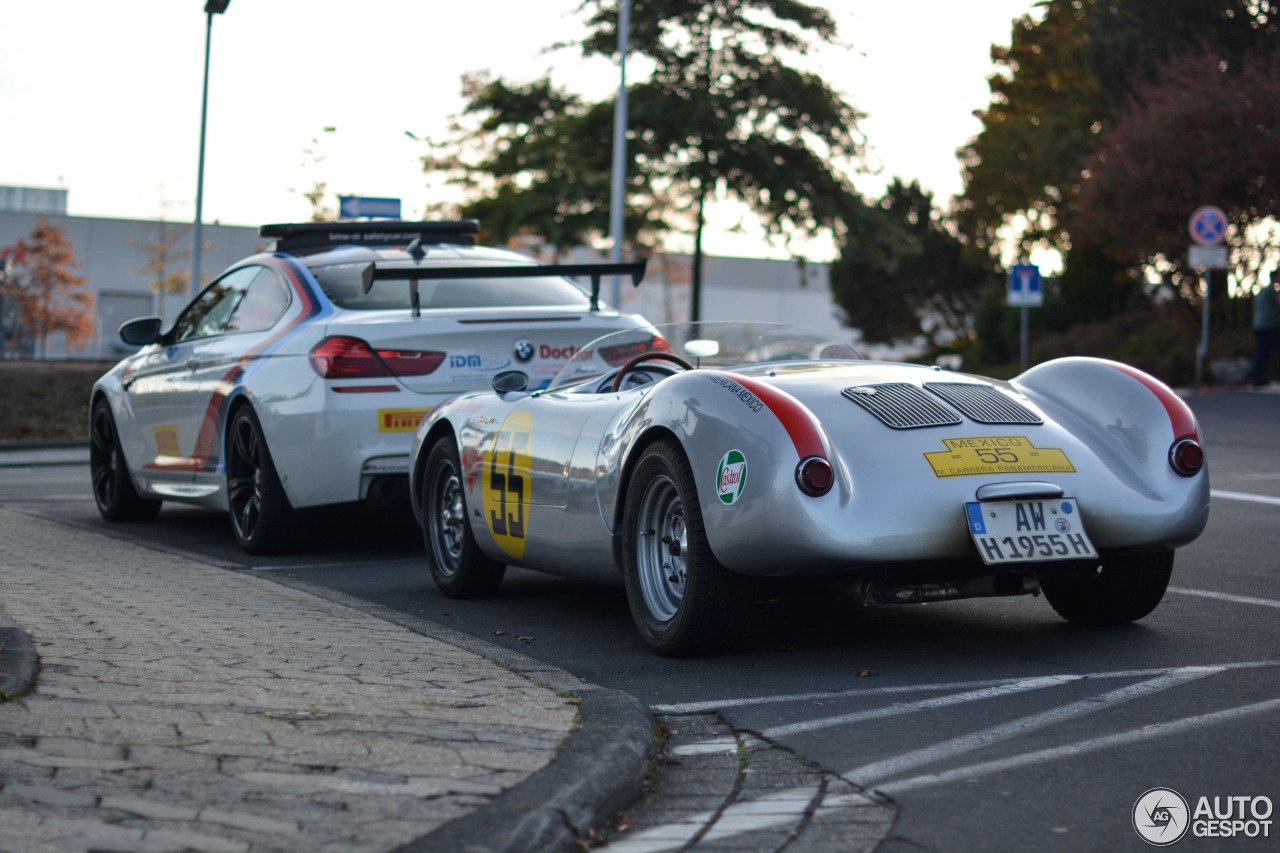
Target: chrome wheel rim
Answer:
pixel 447 514
pixel 662 547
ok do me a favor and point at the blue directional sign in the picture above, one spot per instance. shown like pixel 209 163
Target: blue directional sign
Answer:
pixel 1208 225
pixel 1025 288
pixel 357 207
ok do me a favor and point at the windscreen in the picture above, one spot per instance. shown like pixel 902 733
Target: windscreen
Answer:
pixel 342 283
pixel 710 344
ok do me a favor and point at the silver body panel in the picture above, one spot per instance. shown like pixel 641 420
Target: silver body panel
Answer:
pixel 888 506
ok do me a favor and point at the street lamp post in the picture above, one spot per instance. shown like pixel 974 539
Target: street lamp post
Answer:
pixel 211 8
pixel 618 188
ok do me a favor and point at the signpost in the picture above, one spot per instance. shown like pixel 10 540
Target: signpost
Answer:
pixel 357 207
pixel 1208 229
pixel 1025 290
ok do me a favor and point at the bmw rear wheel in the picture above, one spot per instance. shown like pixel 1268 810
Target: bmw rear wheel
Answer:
pixel 683 601
pixel 458 566
pixel 1119 590
pixel 113 491
pixel 263 520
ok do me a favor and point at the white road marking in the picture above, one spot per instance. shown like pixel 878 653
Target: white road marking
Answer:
pixel 900 708
pixel 1244 496
pixel 1222 596
pixel 747 816
pixel 867 774
pixel 789 804
pixel 715 704
pixel 715 746
pixel 1074 750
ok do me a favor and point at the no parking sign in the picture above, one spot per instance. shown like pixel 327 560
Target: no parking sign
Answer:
pixel 1208 225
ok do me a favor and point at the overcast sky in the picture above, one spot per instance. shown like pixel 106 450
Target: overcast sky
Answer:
pixel 103 98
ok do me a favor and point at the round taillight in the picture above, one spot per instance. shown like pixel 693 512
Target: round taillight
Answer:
pixel 1186 457
pixel 814 476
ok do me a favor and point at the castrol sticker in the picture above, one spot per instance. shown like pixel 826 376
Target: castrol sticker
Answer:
pixel 731 476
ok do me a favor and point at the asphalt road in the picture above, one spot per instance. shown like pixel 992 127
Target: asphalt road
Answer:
pixel 991 724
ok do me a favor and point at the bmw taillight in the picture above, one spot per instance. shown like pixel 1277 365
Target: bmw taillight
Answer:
pixel 814 476
pixel 620 354
pixel 1186 457
pixel 342 357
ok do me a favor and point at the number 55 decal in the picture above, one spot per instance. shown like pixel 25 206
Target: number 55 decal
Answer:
pixel 507 479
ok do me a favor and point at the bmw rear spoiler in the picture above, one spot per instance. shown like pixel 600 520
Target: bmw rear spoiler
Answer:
pixel 413 275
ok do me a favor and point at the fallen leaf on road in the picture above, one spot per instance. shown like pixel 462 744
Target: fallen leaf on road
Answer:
pixel 499 633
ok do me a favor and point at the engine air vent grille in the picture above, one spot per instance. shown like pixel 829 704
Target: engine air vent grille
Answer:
pixel 983 403
pixel 902 405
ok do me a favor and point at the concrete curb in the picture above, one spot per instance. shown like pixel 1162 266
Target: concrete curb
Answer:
pixel 18 660
pixel 598 772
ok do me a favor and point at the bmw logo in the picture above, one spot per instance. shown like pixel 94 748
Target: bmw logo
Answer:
pixel 524 349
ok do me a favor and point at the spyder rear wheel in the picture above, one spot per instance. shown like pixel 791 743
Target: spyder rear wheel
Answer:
pixel 683 601
pixel 263 520
pixel 1119 590
pixel 113 491
pixel 458 566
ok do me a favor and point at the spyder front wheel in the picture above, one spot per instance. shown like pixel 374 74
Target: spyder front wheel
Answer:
pixel 458 566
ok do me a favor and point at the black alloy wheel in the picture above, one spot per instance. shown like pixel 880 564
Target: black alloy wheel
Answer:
pixel 263 520
pixel 113 491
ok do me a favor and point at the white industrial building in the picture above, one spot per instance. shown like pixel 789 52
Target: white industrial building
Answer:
pixel 113 259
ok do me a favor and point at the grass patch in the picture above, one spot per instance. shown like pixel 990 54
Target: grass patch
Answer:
pixel 47 401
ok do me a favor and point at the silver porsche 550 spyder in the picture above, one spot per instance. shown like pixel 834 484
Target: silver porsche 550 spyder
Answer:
pixel 690 461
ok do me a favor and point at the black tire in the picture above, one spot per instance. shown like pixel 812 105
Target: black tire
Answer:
pixel 113 491
pixel 262 519
pixel 458 566
pixel 683 601
pixel 1119 590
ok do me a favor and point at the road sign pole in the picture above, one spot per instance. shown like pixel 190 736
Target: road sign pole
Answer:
pixel 1202 351
pixel 1026 338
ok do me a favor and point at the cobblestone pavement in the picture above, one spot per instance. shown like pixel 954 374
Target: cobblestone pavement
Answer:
pixel 183 707
pixel 721 790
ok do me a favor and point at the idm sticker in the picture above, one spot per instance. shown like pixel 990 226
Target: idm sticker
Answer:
pixel 731 477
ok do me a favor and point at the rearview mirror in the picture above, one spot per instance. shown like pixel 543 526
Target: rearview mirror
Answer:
pixel 141 332
pixel 702 348
pixel 510 380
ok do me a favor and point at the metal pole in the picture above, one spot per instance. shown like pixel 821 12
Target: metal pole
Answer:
pixel 1202 351
pixel 1026 339
pixel 204 113
pixel 618 190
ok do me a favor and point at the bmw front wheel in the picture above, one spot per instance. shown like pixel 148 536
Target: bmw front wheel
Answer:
pixel 113 491
pixel 683 601
pixel 458 566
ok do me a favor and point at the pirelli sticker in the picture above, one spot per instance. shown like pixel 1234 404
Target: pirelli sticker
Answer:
pixel 400 420
pixel 1000 454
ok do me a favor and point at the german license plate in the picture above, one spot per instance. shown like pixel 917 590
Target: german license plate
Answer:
pixel 1028 531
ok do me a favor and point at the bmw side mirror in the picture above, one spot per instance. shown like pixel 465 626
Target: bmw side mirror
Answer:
pixel 510 380
pixel 141 332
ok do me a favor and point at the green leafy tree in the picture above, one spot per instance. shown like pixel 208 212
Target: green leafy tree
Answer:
pixel 913 277
pixel 725 113
pixel 1047 115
